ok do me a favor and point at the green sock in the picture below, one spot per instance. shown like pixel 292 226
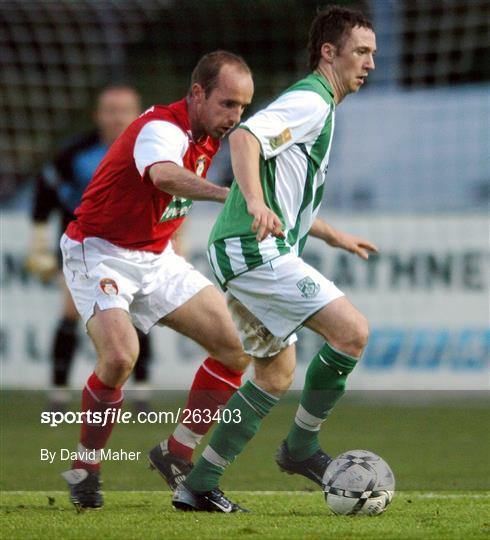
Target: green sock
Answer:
pixel 248 405
pixel 324 386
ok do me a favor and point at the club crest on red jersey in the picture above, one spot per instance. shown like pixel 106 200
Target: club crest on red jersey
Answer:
pixel 200 164
pixel 109 286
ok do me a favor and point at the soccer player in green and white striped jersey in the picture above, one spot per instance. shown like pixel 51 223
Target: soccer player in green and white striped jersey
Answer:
pixel 280 159
pixel 295 134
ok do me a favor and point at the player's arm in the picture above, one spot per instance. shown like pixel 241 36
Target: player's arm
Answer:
pixel 245 157
pixel 335 238
pixel 159 153
pixel 178 181
pixel 292 118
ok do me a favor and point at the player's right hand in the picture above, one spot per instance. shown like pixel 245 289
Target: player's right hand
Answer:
pixel 265 221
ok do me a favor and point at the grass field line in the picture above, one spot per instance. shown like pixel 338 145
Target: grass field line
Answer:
pixel 428 495
pixel 452 495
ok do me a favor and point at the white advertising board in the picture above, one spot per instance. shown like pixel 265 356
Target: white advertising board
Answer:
pixel 425 295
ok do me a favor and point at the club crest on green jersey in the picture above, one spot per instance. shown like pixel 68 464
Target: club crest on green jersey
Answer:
pixel 280 139
pixel 308 287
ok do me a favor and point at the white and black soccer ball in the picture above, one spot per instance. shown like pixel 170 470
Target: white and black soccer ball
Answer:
pixel 358 482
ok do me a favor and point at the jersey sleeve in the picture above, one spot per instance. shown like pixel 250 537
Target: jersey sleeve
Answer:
pixel 159 141
pixel 294 117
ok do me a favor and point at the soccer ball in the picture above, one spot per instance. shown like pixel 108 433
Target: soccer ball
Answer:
pixel 358 482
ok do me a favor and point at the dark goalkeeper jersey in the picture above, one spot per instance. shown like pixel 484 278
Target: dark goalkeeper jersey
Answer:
pixel 63 180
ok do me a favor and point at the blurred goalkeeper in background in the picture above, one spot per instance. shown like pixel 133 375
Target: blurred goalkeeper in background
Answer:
pixel 59 189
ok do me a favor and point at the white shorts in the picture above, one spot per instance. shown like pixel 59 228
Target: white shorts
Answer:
pixel 281 294
pixel 146 285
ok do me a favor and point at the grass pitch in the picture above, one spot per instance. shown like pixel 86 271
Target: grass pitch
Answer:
pixel 276 515
pixel 438 452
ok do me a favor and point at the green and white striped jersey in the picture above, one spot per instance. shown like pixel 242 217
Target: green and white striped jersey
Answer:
pixel 295 134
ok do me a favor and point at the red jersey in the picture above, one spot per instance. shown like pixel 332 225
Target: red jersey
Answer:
pixel 121 204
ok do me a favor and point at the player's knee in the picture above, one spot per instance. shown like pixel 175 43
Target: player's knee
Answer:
pixel 234 362
pixel 238 362
pixel 355 340
pixel 120 362
pixel 277 383
pixel 360 334
pixel 231 355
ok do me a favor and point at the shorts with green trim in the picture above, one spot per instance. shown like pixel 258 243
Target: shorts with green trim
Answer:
pixel 278 297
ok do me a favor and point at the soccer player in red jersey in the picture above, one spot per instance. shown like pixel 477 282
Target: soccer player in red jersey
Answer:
pixel 123 273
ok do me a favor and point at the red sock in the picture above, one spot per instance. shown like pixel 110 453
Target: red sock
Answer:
pixel 213 386
pixel 96 397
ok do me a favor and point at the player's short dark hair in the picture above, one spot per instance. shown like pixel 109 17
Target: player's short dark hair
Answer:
pixel 333 25
pixel 208 68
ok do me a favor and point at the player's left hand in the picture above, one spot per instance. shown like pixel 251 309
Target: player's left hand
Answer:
pixel 353 244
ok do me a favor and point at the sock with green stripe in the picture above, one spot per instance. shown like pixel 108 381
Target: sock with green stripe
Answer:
pixel 248 405
pixel 324 386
